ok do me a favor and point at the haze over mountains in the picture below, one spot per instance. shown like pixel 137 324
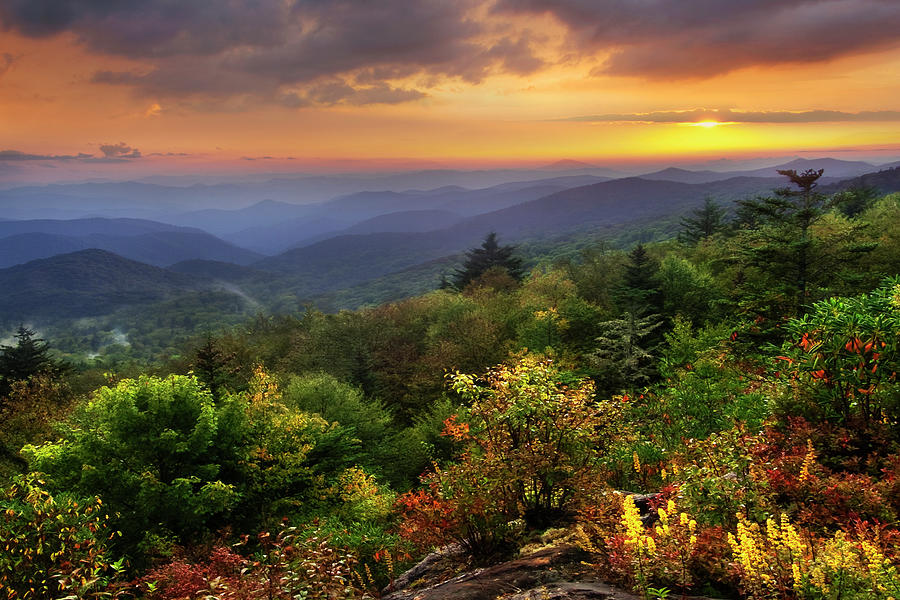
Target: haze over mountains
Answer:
pixel 268 240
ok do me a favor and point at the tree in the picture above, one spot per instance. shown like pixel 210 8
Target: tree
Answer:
pixel 639 291
pixel 781 242
pixel 855 200
pixel 30 356
pixel 212 366
pixel 625 358
pixel 843 358
pixel 703 223
pixel 489 255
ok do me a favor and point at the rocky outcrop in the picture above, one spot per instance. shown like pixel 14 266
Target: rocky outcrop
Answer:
pixel 539 576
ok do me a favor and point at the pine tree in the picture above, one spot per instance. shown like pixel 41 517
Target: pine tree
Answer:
pixel 780 241
pixel 625 358
pixel 30 356
pixel 703 223
pixel 639 290
pixel 210 366
pixel 489 255
pixel 853 201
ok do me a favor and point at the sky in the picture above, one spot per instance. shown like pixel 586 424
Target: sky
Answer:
pixel 124 88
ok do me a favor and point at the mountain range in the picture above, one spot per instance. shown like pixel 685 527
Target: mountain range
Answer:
pixel 86 266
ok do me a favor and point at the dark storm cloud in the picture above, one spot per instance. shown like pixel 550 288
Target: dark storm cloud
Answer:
pixel 269 48
pixel 147 28
pixel 673 39
pixel 731 116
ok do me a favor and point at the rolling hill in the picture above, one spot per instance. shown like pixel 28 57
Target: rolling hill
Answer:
pixel 81 227
pixel 885 181
pixel 347 260
pixel 159 248
pixel 85 283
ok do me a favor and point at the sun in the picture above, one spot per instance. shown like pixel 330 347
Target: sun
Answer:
pixel 706 124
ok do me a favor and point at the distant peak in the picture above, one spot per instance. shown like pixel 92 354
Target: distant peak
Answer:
pixel 567 165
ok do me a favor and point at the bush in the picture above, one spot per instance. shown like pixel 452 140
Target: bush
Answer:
pixel 159 452
pixel 282 566
pixel 53 546
pixel 842 359
pixel 532 443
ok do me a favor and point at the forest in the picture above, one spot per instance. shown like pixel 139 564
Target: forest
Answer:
pixel 713 412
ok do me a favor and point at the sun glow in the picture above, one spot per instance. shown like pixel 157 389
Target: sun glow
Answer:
pixel 706 124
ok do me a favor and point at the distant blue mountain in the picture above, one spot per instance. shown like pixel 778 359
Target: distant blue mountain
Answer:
pixel 145 241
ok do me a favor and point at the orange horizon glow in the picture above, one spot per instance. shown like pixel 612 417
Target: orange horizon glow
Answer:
pixel 53 105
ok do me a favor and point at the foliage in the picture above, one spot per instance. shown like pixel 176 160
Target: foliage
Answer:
pixel 490 255
pixel 855 200
pixel 783 244
pixel 30 356
pixel 624 358
pixel 283 565
pixel 706 389
pixel 158 451
pixel 782 561
pixel 213 367
pixel 687 290
pixel 291 456
pixel 639 290
pixel 53 545
pixel 28 416
pixel 842 359
pixel 337 402
pixel 704 222
pixel 531 438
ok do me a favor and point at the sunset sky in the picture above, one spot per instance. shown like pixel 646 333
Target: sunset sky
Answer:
pixel 121 87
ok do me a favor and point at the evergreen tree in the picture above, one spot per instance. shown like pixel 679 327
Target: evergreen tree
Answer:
pixel 639 290
pixel 780 241
pixel 30 356
pixel 703 223
pixel 853 201
pixel 211 367
pixel 488 256
pixel 625 358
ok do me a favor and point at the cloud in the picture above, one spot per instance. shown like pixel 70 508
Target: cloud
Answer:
pixel 677 39
pixel 17 156
pixel 154 110
pixel 268 158
pixel 119 151
pixel 237 53
pixel 291 52
pixel 6 61
pixel 735 116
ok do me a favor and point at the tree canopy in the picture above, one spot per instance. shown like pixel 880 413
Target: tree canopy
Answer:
pixel 489 256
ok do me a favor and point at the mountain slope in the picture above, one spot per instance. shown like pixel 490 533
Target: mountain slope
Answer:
pixel 347 260
pixel 159 248
pixel 409 221
pixel 610 203
pixel 261 214
pixel 80 227
pixel 164 248
pixel 25 247
pixel 84 283
pixel 885 181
